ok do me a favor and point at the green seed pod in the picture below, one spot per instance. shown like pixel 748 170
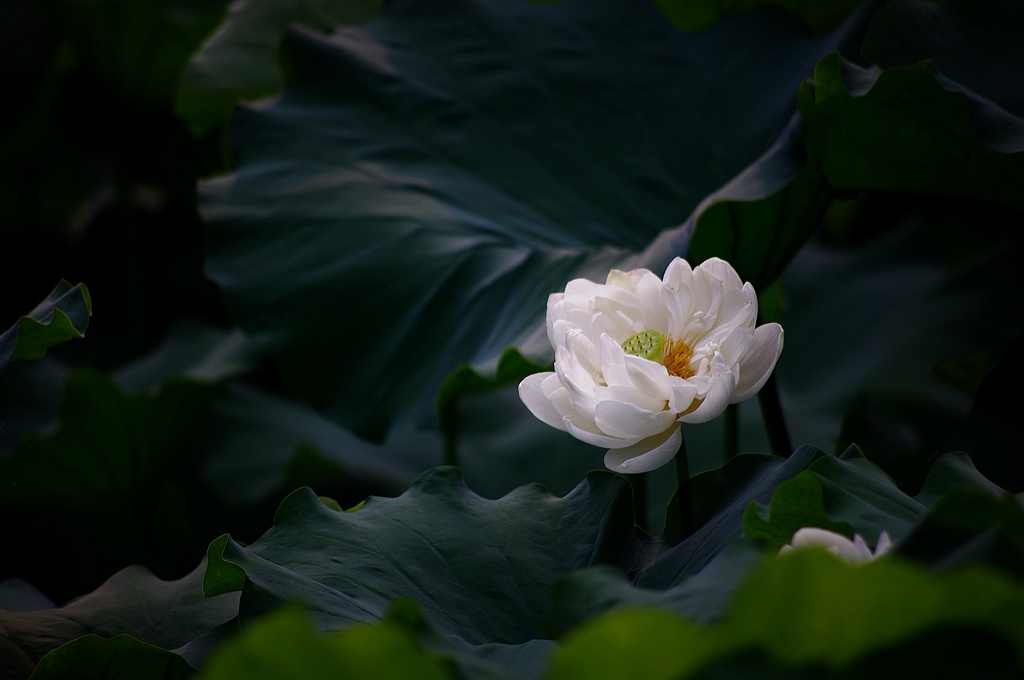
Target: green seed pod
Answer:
pixel 645 344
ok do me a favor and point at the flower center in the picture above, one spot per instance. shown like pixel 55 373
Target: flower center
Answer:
pixel 674 355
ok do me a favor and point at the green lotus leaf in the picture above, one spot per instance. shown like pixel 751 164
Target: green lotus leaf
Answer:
pixel 106 479
pixel 973 44
pixel 92 657
pixel 697 15
pixel 287 645
pixel 408 203
pixel 473 565
pixel 238 62
pixel 808 614
pixel 908 129
pixel 172 615
pixel 62 316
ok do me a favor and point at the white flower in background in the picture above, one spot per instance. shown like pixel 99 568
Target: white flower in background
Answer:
pixel 638 355
pixel 852 552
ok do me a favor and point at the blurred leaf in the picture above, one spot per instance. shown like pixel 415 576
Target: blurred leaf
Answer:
pixel 697 15
pixel 121 658
pixel 907 129
pixel 111 445
pixel 168 614
pixel 643 644
pixel 867 321
pixel 286 645
pixel 239 62
pixel 258 445
pixel 138 48
pixel 973 43
pixel 479 569
pixel 114 481
pixel 193 351
pixel 807 610
pixel 63 315
pixel 435 175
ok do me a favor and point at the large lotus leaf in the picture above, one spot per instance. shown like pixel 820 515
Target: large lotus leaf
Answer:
pixel 697 15
pixel 259 445
pixel 715 502
pixel 809 612
pixel 104 485
pixel 991 430
pixel 479 569
pixel 908 129
pixel 193 351
pixel 92 657
pixel 63 315
pixel 238 62
pixel 138 48
pixel 760 219
pixel 425 181
pixel 703 598
pixel 976 44
pixel 168 614
pixel 846 496
pixel 876 314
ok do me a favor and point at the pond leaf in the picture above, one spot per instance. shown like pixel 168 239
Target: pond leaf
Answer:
pixel 63 315
pixel 408 203
pixel 91 657
pixel 908 129
pixel 479 569
pixel 238 62
pixel 133 602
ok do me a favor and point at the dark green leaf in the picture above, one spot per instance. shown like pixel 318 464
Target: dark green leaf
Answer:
pixel 795 504
pixel 807 611
pixel 715 502
pixel 112 480
pixel 480 570
pixel 63 315
pixel 697 15
pixel 414 200
pixel 168 614
pixel 286 645
pixel 239 62
pixel 139 48
pixel 973 43
pixel 907 129
pixel 760 219
pixel 121 658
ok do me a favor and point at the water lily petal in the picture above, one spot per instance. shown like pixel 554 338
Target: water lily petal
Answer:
pixel 644 456
pixel 621 419
pixel 759 360
pixel 586 431
pixel 537 400
pixel 720 389
pixel 683 393
pixel 647 376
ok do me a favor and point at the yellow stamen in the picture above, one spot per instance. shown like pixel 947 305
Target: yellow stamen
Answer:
pixel 675 356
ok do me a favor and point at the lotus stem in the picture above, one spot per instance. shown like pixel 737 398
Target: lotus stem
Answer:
pixel 731 440
pixel 682 485
pixel 450 430
pixel 639 486
pixel 774 421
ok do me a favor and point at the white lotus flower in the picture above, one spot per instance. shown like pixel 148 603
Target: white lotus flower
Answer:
pixel 852 552
pixel 638 355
